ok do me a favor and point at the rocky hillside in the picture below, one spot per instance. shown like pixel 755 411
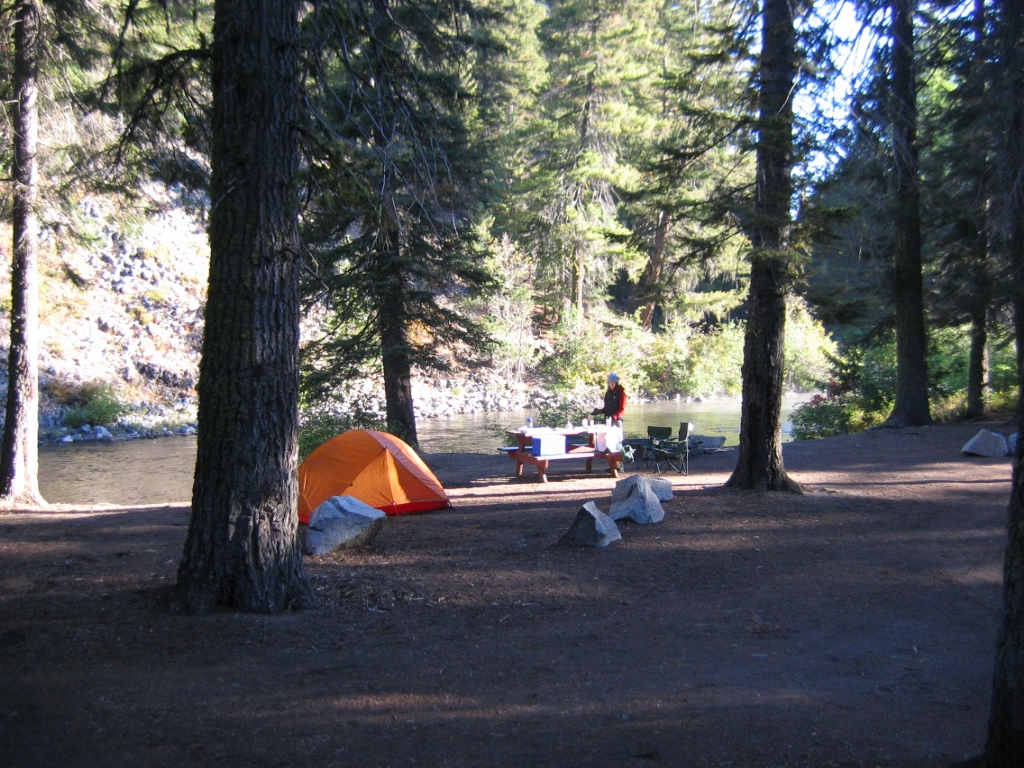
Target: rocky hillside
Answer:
pixel 122 304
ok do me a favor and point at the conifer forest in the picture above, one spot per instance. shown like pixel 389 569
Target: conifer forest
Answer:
pixel 712 197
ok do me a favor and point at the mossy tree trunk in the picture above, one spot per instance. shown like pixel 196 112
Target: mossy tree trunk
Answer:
pixel 242 550
pixel 759 463
pixel 19 451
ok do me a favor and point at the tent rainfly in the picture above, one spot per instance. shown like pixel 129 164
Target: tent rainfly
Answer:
pixel 374 467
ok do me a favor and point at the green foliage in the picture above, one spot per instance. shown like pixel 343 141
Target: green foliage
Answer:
pixel 320 426
pixel 667 364
pixel 587 349
pixel 93 402
pixel 858 395
pixel 159 295
pixel 508 311
pixel 860 392
pixel 560 413
pixel 949 355
pixel 679 359
pixel 824 417
pixel 390 191
pixel 808 349
pixel 714 363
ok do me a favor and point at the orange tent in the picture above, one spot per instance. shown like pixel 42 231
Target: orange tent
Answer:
pixel 374 467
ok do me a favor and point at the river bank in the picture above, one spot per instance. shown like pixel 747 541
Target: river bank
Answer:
pixel 475 402
pixel 852 626
pixel 160 471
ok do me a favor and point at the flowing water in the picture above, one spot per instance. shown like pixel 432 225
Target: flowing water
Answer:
pixel 160 471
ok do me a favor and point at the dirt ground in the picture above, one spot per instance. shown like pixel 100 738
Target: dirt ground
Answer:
pixel 852 626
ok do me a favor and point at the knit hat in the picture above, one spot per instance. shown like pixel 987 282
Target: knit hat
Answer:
pixel 613 377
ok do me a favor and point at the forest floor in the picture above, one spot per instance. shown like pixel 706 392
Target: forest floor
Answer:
pixel 854 625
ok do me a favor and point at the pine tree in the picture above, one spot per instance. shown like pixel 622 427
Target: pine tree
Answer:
pixel 911 405
pixel 19 450
pixel 759 463
pixel 700 169
pixel 601 64
pixel 242 549
pixel 1005 744
pixel 958 218
pixel 391 191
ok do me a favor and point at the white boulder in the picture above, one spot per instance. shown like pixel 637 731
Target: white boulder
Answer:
pixel 590 528
pixel 986 443
pixel 342 522
pixel 636 501
pixel 661 486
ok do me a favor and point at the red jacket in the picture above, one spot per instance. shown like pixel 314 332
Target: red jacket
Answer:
pixel 614 402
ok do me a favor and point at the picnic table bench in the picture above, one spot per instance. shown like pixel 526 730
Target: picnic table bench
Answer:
pixel 521 453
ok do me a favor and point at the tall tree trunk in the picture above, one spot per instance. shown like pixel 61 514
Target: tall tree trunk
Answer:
pixel 392 324
pixel 242 549
pixel 650 282
pixel 981 284
pixel 911 406
pixel 401 417
pixel 1004 747
pixel 759 463
pixel 19 450
pixel 977 372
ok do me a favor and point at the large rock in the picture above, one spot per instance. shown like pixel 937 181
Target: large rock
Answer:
pixel 640 504
pixel 590 528
pixel 662 488
pixel 342 522
pixel 986 443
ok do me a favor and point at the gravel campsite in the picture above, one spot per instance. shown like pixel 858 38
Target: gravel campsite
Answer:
pixel 852 626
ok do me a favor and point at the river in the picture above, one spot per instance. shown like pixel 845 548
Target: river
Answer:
pixel 160 471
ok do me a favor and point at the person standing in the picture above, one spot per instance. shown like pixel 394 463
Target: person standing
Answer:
pixel 614 401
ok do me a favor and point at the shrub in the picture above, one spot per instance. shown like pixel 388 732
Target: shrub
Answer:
pixel 808 348
pixel 93 402
pixel 666 366
pixel 587 349
pixel 320 426
pixel 857 396
pixel 558 414
pixel 714 365
pixel 158 295
pixel 824 416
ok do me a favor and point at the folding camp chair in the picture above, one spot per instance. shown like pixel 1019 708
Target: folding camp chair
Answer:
pixel 647 449
pixel 674 454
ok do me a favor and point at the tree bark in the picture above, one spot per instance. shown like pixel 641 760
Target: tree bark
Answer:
pixel 981 282
pixel 398 401
pixel 19 450
pixel 911 406
pixel 650 282
pixel 977 372
pixel 759 463
pixel 392 324
pixel 241 550
pixel 1005 744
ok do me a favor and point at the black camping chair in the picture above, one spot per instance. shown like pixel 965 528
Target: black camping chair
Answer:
pixel 674 454
pixel 645 449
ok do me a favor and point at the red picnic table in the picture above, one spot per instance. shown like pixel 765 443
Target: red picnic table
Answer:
pixel 521 453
